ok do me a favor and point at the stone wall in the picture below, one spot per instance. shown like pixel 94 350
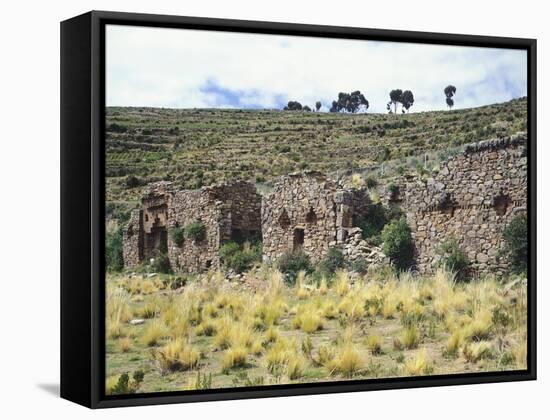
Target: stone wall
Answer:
pixel 472 199
pixel 229 211
pixel 309 211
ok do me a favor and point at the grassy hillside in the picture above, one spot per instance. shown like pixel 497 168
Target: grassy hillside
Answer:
pixel 205 146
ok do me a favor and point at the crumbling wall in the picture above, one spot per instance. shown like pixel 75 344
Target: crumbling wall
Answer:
pixel 132 239
pixel 309 211
pixel 223 210
pixel 472 199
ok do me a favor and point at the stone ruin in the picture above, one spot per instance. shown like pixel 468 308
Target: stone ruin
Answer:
pixel 309 211
pixel 227 212
pixel 473 197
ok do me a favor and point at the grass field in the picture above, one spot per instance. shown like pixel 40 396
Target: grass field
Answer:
pixel 213 333
pixel 205 146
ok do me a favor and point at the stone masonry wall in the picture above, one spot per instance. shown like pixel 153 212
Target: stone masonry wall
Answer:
pixel 473 198
pixel 223 210
pixel 309 211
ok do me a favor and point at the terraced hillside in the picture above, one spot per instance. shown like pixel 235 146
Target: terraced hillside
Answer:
pixel 195 147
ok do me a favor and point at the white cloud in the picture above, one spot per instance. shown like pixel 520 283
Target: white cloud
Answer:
pixel 169 67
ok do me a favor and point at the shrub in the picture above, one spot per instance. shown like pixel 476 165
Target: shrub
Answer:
pixel 453 258
pixel 123 384
pixel 200 382
pixel 398 243
pixel 372 222
pixel 116 128
pixel 240 257
pixel 291 263
pixel 113 251
pixel 371 182
pixel 196 231
pixel 333 260
pixel 132 181
pixel 516 243
pixel 360 265
pixel 160 263
pixel 177 235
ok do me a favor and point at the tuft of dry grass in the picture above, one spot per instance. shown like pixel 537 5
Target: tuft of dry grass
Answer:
pixel 408 339
pixel 154 331
pixel 323 287
pixel 374 344
pixel 341 283
pixel 175 355
pixel 295 367
pixel 519 351
pixel 125 345
pixel 418 364
pixel 345 361
pixel 308 319
pixel 271 334
pixel 476 351
pixel 234 357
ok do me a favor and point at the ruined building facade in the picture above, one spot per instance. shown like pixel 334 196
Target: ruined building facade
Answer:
pixel 472 199
pixel 230 211
pixel 308 211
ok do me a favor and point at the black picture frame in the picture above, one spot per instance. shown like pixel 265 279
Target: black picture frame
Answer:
pixel 82 207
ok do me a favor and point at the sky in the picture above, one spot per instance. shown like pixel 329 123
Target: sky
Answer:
pixel 181 68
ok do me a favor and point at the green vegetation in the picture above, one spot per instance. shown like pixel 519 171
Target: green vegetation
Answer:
pixel 195 147
pixel 123 384
pixel 195 231
pixel 398 243
pixel 238 257
pixel 517 245
pixel 159 263
pixel 113 250
pixel 333 261
pixel 453 258
pixel 217 333
pixel 178 235
pixel 291 263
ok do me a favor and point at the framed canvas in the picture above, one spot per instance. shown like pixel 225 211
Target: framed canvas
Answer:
pixel 254 209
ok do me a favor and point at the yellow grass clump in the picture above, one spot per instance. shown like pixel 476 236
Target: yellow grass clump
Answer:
pixel 125 344
pixel 418 364
pixel 345 361
pixel 271 334
pixel 283 354
pixel 374 344
pixel 234 357
pixel 176 355
pixel 408 339
pixel 476 351
pixel 323 287
pixel 353 306
pixel 154 331
pixel 308 318
pixel 295 367
pixel 341 283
